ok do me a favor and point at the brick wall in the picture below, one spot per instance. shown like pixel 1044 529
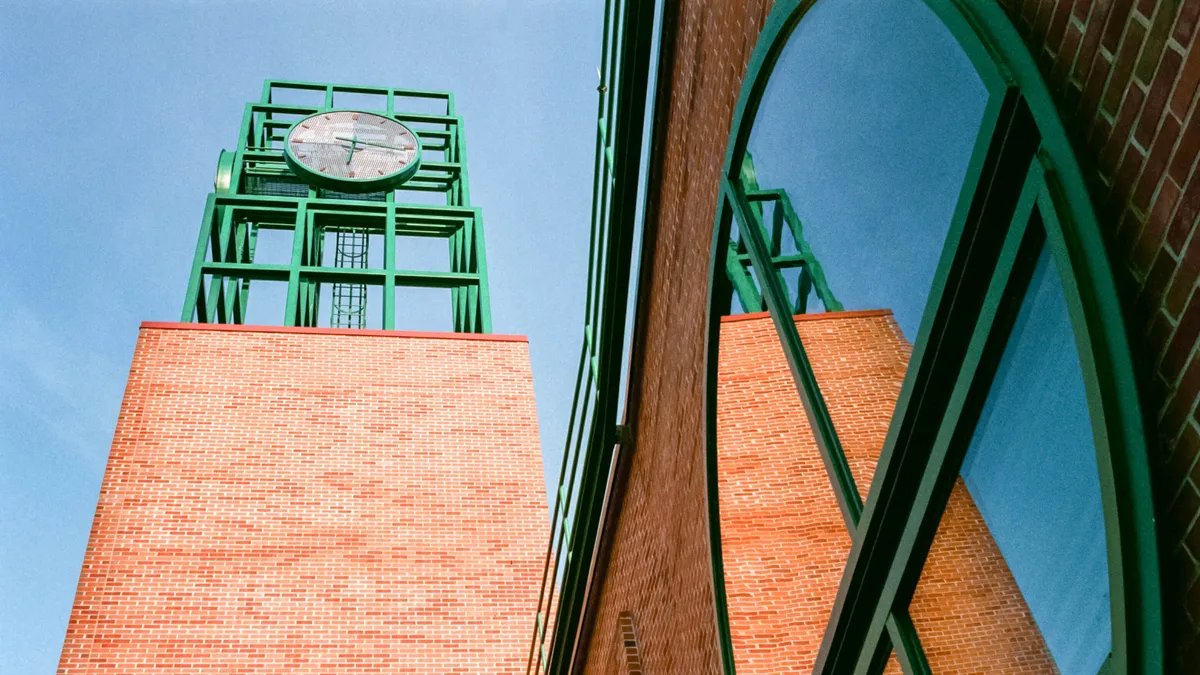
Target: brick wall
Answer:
pixel 308 501
pixel 1125 75
pixel 784 542
pixel 659 562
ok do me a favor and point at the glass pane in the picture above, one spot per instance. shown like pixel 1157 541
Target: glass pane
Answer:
pixel 856 162
pixel 1018 568
pixel 868 124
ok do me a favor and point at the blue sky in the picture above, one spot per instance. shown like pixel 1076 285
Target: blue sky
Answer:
pixel 119 110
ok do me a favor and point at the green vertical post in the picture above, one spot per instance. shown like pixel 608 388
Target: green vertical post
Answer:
pixel 195 288
pixel 389 261
pixel 298 237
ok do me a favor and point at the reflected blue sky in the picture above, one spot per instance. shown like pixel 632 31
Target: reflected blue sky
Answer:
pixel 868 122
pixel 1031 469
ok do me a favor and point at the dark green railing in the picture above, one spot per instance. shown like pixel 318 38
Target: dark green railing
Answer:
pixel 592 429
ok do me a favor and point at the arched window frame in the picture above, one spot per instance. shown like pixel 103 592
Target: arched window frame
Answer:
pixel 1022 170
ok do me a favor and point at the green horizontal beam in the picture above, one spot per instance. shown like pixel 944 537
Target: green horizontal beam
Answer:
pixel 411 278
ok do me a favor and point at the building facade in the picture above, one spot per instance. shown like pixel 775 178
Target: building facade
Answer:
pixel 1090 157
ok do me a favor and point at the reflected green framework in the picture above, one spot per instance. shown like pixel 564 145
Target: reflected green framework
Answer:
pixel 255 190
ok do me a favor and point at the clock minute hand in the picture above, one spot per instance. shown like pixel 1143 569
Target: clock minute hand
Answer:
pixel 381 145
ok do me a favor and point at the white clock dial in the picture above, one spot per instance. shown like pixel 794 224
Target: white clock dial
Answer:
pixel 353 146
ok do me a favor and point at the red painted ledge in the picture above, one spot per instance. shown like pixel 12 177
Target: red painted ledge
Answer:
pixel 854 314
pixel 360 332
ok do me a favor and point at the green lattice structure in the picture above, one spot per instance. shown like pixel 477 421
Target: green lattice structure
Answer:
pixel 255 191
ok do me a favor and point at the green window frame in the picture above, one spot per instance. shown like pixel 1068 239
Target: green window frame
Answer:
pixel 1023 191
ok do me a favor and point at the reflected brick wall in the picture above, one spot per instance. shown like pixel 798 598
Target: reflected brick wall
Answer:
pixel 784 542
pixel 315 501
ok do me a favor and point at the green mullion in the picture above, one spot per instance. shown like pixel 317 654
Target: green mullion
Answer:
pixel 303 224
pixel 774 295
pixel 1005 291
pixel 233 308
pixel 481 271
pixel 244 291
pixel 195 287
pixel 454 244
pixel 220 254
pixel 216 298
pixel 465 263
pixel 328 97
pixel 803 288
pixel 996 179
pixel 389 259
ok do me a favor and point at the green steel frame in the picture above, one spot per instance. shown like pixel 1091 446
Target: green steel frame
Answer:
pixel 255 190
pixel 1024 191
pixel 593 432
pixel 738 260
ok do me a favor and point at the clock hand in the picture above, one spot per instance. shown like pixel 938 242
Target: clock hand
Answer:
pixel 381 145
pixel 353 144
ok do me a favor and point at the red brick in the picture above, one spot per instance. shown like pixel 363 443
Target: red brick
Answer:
pixel 1185 22
pixel 1156 162
pixel 1185 88
pixel 1156 99
pixel 1180 348
pixel 1097 76
pixel 1066 56
pixel 1115 24
pixel 1122 69
pixel 1185 216
pixel 1184 510
pixel 1146 7
pixel 1185 151
pixel 1185 278
pixel 1183 457
pixel 1155 227
pixel 1155 284
pixel 1094 31
pixel 1118 138
pixel 1058 25
pixel 1081 8
pixel 304 502
pixel 1156 41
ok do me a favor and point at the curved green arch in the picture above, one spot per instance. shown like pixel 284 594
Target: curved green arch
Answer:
pixel 1007 69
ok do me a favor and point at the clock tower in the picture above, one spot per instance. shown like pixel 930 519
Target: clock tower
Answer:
pixel 294 484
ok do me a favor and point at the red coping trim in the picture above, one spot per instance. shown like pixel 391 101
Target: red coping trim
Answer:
pixel 854 314
pixel 360 332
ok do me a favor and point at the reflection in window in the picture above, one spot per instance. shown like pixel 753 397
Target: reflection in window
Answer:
pixel 868 123
pixel 1031 470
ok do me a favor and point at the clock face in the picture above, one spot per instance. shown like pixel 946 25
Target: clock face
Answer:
pixel 352 151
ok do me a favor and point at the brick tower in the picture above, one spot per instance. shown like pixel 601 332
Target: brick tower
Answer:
pixel 326 494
